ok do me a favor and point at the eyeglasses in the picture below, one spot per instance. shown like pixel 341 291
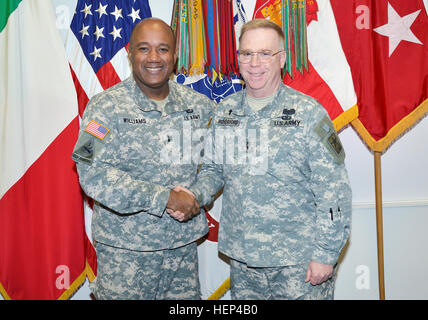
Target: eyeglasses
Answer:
pixel 264 56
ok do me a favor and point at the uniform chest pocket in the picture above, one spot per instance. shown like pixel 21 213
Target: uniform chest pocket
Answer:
pixel 289 167
pixel 181 138
pixel 287 151
pixel 230 141
pixel 139 141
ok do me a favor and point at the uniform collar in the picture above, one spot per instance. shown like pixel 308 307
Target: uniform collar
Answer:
pixel 272 110
pixel 146 104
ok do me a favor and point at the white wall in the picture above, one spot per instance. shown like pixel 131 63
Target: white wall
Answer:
pixel 405 213
pixel 405 218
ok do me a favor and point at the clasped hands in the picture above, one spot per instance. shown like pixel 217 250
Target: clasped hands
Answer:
pixel 182 204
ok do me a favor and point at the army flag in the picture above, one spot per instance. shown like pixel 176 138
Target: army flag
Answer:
pixel 42 232
pixel 386 45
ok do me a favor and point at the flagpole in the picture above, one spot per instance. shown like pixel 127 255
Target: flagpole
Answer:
pixel 379 223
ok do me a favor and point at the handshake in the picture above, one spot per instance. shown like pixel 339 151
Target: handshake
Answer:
pixel 182 204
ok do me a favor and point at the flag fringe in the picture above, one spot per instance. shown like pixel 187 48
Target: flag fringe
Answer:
pixel 89 272
pixel 67 294
pixel 4 293
pixel 216 295
pixel 394 133
pixel 200 47
pixel 345 118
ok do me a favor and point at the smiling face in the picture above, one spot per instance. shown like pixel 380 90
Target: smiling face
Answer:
pixel 262 79
pixel 152 55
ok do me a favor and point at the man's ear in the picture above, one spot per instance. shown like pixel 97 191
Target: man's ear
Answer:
pixel 283 57
pixel 129 52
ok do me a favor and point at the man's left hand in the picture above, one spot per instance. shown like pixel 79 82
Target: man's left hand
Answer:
pixel 318 273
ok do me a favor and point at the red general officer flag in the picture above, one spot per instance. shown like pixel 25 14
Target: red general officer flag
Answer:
pixel 386 45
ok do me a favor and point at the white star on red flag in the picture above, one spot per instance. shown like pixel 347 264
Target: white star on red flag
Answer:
pixel 398 28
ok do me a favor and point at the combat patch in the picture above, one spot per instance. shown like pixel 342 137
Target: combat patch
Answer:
pixel 330 139
pixel 334 142
pixel 97 130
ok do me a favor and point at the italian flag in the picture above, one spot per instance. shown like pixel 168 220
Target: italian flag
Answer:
pixel 42 232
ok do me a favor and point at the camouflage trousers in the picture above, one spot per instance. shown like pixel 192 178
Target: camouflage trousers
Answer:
pixel 146 275
pixel 276 283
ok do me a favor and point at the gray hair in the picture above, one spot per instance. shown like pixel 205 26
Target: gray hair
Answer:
pixel 263 24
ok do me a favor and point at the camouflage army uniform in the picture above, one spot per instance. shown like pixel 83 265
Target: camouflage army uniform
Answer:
pixel 291 206
pixel 128 167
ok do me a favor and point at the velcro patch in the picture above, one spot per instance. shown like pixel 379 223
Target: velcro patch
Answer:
pixel 85 153
pixel 334 142
pixel 330 139
pixel 229 122
pixel 97 129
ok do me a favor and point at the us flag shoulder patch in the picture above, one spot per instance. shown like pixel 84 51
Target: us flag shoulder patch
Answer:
pixel 97 129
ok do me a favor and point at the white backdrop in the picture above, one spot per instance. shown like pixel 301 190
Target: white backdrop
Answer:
pixel 405 195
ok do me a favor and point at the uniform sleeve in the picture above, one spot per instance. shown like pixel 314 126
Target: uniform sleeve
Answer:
pixel 331 188
pixel 210 176
pixel 100 168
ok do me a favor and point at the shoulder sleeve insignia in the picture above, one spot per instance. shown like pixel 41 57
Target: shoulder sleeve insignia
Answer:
pixel 97 130
pixel 85 153
pixel 330 139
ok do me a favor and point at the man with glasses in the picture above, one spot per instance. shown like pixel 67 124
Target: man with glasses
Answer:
pixel 286 208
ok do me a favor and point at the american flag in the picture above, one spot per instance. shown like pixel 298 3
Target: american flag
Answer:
pixel 97 129
pixel 104 27
pixel 96 48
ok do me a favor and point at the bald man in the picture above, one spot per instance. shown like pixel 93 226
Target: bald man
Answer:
pixel 129 156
